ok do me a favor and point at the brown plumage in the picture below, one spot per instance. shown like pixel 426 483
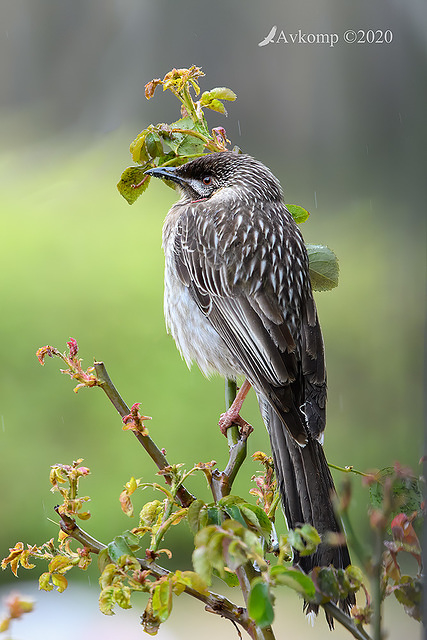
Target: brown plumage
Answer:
pixel 238 301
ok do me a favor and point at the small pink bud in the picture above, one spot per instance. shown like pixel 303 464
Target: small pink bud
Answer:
pixel 73 347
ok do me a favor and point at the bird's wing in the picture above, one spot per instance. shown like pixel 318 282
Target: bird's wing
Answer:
pixel 242 269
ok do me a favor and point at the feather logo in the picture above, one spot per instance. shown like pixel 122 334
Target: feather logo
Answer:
pixel 269 38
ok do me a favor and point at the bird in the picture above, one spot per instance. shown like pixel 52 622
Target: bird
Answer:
pixel 238 301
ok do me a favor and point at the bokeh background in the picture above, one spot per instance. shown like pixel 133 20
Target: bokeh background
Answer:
pixel 343 128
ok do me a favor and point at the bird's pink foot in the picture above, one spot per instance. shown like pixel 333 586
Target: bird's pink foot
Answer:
pixel 232 417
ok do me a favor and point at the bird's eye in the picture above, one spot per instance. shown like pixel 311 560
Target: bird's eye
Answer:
pixel 207 180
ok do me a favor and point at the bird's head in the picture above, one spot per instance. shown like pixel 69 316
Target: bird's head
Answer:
pixel 202 178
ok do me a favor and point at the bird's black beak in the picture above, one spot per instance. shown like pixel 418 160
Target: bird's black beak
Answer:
pixel 167 173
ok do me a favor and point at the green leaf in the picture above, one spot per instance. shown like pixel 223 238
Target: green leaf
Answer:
pixel 153 145
pixel 234 553
pixel 137 148
pixel 355 577
pixel 44 582
pixel 406 491
pixel 123 545
pixel 133 183
pixel 257 518
pixel 221 93
pixel 214 515
pixel 227 576
pixel 191 579
pixel 162 600
pixel 60 563
pixel 298 213
pixel 202 564
pixel 212 99
pixel 231 499
pixel 122 596
pixel 304 539
pixel 103 560
pixel 59 581
pixel 150 513
pixel 216 105
pixel 409 595
pixel 259 605
pixel 182 144
pixel 294 579
pixel 106 601
pixel 194 515
pixel 326 582
pixel 233 512
pixel 215 550
pixel 323 266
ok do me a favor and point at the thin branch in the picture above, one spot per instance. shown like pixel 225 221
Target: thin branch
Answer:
pixel 377 595
pixel 346 621
pixel 221 483
pixel 214 603
pixel 349 469
pixel 106 384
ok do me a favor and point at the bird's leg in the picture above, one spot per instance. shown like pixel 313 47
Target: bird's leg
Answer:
pixel 232 415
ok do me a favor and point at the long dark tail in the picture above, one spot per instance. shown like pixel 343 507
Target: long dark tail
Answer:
pixel 306 488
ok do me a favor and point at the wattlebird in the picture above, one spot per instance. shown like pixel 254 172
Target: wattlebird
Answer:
pixel 238 301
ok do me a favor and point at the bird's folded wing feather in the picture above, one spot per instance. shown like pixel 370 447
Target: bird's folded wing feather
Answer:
pixel 239 270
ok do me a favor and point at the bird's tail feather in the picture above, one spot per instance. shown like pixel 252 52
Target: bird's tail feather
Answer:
pixel 306 488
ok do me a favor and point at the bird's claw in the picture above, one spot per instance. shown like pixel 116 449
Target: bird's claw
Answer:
pixel 230 418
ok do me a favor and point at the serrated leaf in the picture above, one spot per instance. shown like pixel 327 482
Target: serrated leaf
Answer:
pixel 133 183
pixel 298 213
pixel 106 601
pixel 406 491
pixel 409 594
pixel 185 144
pixel 260 607
pixel 122 596
pixel 323 267
pixel 294 579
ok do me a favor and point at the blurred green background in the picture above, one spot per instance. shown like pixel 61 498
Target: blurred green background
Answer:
pixel 340 126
